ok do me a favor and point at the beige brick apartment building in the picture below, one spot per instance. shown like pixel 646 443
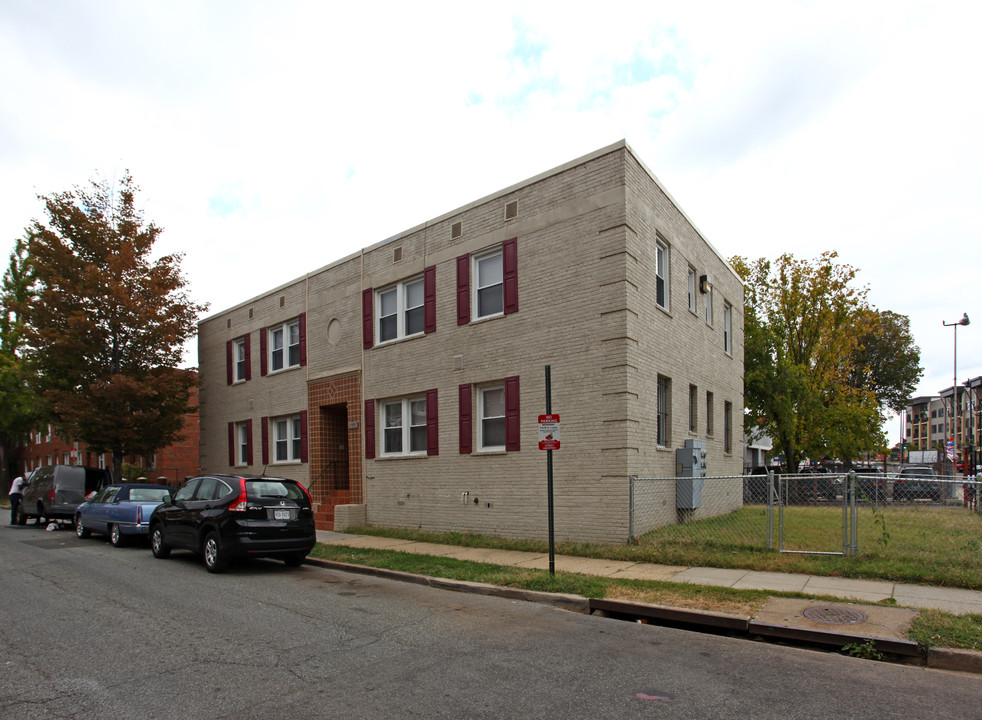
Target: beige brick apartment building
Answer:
pixel 403 383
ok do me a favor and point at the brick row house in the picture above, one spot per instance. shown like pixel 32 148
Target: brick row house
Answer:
pixel 174 462
pixel 403 383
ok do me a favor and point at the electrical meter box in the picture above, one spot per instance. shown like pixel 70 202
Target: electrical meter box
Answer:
pixel 690 469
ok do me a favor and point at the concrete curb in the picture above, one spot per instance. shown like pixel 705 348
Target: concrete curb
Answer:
pixel 938 658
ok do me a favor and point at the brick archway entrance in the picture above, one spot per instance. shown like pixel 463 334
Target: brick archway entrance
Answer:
pixel 335 445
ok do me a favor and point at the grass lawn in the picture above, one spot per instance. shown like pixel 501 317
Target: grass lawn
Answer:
pixel 912 544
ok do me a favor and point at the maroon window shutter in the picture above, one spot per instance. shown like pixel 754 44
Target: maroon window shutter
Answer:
pixel 265 438
pixel 509 275
pixel 231 444
pixel 513 427
pixel 302 321
pixel 303 436
pixel 248 356
pixel 429 299
pixel 249 441
pixel 369 429
pixel 367 319
pixel 432 425
pixel 466 420
pixel 263 354
pixel 229 359
pixel 463 289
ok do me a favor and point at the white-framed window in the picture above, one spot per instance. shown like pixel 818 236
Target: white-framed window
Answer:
pixel 491 408
pixel 709 307
pixel 664 418
pixel 286 439
pixel 239 360
pixel 242 443
pixel 404 426
pixel 728 328
pixel 400 310
pixel 284 346
pixel 48 438
pixel 489 288
pixel 692 289
pixel 662 285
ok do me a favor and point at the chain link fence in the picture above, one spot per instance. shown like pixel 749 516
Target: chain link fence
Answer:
pixel 816 513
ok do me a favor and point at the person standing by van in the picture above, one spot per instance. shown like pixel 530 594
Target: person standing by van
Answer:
pixel 16 495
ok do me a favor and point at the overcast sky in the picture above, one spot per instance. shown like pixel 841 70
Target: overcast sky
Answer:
pixel 272 138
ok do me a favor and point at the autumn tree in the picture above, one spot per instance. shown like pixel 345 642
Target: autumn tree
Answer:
pixel 19 411
pixel 108 323
pixel 804 323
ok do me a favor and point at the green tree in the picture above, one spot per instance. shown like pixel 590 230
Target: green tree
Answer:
pixel 803 323
pixel 886 360
pixel 19 412
pixel 108 323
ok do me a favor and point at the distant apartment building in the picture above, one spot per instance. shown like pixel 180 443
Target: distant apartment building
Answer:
pixel 174 462
pixel 932 422
pixel 403 383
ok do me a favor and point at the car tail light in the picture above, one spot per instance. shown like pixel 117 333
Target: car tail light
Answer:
pixel 307 493
pixel 139 514
pixel 51 494
pixel 242 501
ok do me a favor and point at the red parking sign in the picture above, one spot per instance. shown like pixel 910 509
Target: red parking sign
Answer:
pixel 548 432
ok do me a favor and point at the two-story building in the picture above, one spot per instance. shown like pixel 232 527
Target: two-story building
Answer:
pixel 403 383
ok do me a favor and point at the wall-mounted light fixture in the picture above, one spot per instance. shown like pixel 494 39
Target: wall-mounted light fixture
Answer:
pixel 705 284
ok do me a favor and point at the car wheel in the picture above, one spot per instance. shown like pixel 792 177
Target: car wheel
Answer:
pixel 215 560
pixel 158 547
pixel 295 560
pixel 38 518
pixel 81 532
pixel 116 537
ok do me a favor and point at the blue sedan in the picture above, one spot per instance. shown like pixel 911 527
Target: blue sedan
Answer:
pixel 120 511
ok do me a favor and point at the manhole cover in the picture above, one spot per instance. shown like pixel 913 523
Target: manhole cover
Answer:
pixel 834 615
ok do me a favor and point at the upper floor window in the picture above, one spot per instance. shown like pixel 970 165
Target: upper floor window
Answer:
pixel 489 288
pixel 662 288
pixel 400 310
pixel 728 328
pixel 494 290
pixel 397 311
pixel 284 346
pixel 709 307
pixel 404 429
pixel 692 289
pixel 240 359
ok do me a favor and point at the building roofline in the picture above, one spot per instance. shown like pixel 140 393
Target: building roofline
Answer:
pixel 613 147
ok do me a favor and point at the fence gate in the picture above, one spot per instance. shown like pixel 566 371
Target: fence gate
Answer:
pixel 812 514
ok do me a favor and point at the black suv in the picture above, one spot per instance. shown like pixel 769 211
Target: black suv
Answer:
pixel 228 516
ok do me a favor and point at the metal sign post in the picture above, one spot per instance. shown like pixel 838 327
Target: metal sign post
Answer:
pixel 548 447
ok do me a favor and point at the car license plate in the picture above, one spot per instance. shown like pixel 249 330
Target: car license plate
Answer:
pixel 281 514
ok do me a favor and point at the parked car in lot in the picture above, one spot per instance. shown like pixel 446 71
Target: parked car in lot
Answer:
pixel 871 484
pixel 120 511
pixel 224 517
pixel 55 491
pixel 916 482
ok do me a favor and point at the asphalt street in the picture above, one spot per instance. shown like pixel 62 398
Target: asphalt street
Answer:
pixel 87 630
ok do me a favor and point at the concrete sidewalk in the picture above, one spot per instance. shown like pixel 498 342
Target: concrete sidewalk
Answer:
pixel 951 600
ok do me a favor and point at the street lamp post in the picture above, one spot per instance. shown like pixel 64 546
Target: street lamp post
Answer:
pixel 954 390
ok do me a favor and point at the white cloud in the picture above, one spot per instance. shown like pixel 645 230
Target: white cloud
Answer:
pixel 271 139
